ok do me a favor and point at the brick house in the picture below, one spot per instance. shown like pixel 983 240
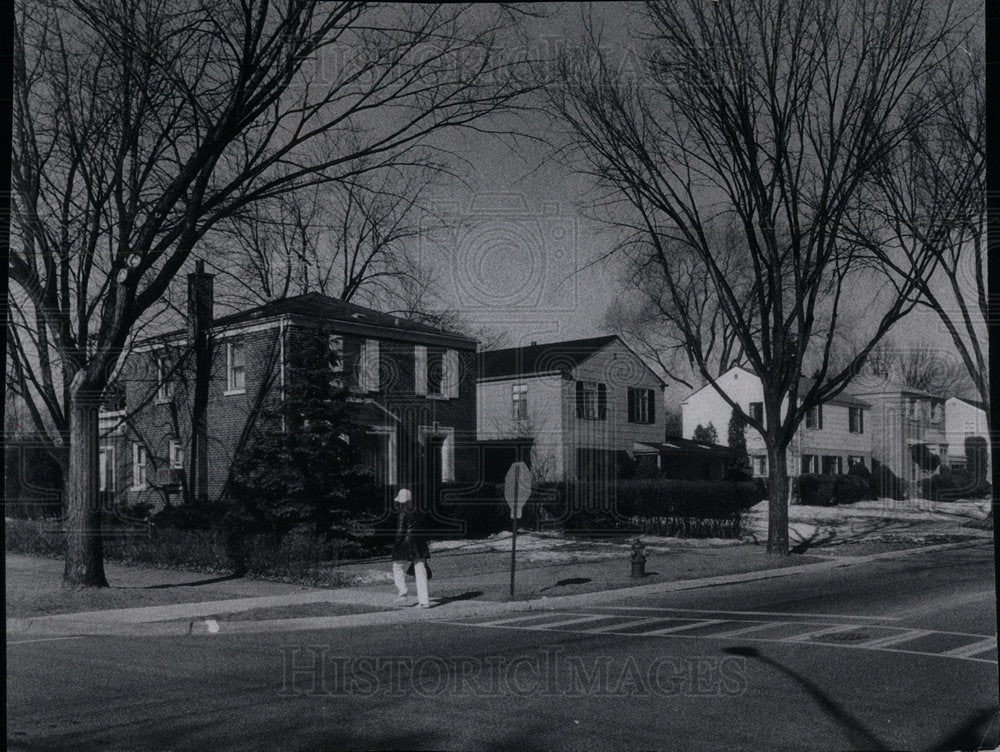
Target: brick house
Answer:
pixel 577 407
pixel 412 391
pixel 832 437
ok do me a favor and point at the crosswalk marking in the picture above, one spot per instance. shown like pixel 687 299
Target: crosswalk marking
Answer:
pixel 814 633
pixel 623 625
pixel 582 623
pixel 682 627
pixel 576 620
pixel 750 630
pixel 905 636
pixel 967 651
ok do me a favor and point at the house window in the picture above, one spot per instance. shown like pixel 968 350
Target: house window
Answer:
pixel 810 463
pixel 814 418
pixel 336 344
pixel 832 464
pixel 856 420
pixel 759 462
pixel 436 372
pixel 757 411
pixel 165 387
pixel 641 406
pixel 235 368
pixel 855 459
pixel 519 401
pixel 106 469
pixel 591 400
pixel 176 454
pixel 138 466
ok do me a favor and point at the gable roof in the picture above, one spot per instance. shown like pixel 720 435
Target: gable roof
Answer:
pixel 805 384
pixel 548 357
pixel 315 305
pixel 881 385
pixel 971 402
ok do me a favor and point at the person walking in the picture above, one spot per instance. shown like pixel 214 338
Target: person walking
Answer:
pixel 410 547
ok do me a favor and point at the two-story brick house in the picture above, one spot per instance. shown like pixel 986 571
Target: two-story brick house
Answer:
pixel 413 392
pixel 580 403
pixel 832 437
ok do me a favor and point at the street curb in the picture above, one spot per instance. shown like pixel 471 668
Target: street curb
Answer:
pixel 66 625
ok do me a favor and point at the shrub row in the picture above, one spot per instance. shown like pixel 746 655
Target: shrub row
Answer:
pixel 594 507
pixel 828 490
pixel 950 485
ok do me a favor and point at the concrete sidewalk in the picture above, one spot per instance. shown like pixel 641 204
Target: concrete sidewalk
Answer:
pixel 203 617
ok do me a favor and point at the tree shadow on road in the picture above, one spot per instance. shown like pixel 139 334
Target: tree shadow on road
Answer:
pixel 466 596
pixel 861 737
pixel 194 583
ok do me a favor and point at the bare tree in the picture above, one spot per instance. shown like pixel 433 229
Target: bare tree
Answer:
pixel 933 195
pixel 772 116
pixel 920 366
pixel 140 126
pixel 352 240
pixel 676 315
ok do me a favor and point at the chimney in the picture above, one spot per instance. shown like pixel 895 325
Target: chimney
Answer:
pixel 533 343
pixel 199 321
pixel 201 301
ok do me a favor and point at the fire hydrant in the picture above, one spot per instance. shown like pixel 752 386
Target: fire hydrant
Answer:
pixel 638 558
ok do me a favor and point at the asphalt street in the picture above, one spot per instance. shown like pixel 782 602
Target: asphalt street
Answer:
pixel 894 654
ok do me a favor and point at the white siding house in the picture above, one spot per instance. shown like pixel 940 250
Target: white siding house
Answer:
pixel 834 435
pixel 962 418
pixel 579 402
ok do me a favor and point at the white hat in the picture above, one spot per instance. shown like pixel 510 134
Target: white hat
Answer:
pixel 404 496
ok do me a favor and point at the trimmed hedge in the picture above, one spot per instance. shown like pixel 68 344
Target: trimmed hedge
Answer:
pixel 695 508
pixel 830 490
pixel 885 483
pixel 951 485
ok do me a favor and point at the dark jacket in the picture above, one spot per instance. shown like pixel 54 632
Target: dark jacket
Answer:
pixel 410 541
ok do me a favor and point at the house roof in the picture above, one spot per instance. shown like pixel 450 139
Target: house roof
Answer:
pixel 879 385
pixel 544 358
pixel 678 446
pixel 847 397
pixel 971 402
pixel 315 305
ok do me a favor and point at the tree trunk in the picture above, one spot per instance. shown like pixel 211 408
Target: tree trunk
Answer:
pixel 777 501
pixel 84 555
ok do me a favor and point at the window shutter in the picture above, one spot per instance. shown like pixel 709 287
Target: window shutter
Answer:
pixel 602 401
pixel 631 406
pixel 579 399
pixel 451 370
pixel 370 372
pixel 420 369
pixel 652 405
pixel 819 417
pixel 861 420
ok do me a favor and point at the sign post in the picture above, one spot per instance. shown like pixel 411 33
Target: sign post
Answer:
pixel 516 490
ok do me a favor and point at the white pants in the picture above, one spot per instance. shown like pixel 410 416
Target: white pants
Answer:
pixel 420 572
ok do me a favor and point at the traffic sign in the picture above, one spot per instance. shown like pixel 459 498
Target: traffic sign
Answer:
pixel 517 488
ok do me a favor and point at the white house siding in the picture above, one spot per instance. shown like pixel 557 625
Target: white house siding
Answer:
pixel 833 440
pixel 896 427
pixel 707 405
pixel 544 423
pixel 961 420
pixel 618 368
